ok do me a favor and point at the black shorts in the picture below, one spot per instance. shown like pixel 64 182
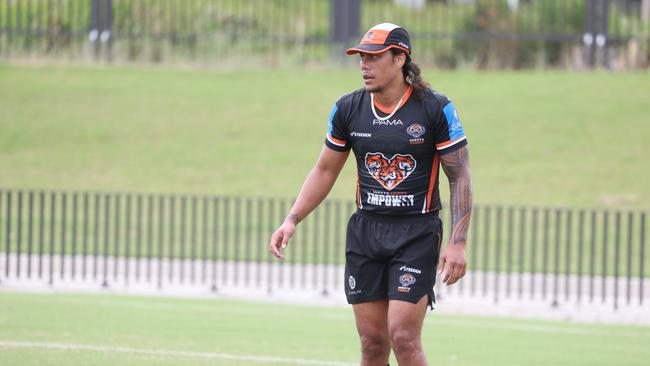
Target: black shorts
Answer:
pixel 391 257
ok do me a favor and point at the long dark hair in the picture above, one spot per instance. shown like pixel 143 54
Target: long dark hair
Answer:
pixel 411 72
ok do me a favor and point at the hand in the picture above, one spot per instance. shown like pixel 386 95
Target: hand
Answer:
pixel 280 238
pixel 454 260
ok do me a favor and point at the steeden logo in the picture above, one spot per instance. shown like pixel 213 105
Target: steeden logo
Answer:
pixel 409 269
pixel 360 134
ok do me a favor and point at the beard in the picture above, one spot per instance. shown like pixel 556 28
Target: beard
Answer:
pixel 374 89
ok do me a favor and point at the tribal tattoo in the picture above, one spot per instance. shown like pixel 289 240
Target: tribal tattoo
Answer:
pixel 456 166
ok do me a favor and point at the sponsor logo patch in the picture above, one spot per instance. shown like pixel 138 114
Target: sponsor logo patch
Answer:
pixel 360 134
pixel 388 200
pixel 390 172
pixel 385 122
pixel 455 127
pixel 352 282
pixel 409 269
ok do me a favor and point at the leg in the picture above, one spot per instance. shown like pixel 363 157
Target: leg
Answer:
pixel 405 329
pixel 372 325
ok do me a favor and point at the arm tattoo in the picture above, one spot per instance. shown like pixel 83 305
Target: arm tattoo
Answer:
pixel 456 166
pixel 293 218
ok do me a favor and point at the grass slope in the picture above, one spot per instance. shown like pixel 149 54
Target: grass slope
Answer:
pixel 553 138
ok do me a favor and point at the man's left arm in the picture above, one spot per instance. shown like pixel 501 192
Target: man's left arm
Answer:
pixel 456 166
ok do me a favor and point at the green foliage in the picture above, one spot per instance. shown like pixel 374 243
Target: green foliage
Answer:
pixel 516 39
pixel 485 33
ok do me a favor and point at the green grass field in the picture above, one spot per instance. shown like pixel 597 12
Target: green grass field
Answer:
pixel 161 329
pixel 548 138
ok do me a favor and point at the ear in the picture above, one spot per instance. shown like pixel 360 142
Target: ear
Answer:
pixel 400 60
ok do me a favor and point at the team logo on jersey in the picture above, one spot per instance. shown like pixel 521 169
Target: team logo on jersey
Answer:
pixel 390 172
pixel 415 130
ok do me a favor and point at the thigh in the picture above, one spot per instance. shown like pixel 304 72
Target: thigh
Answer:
pixel 407 317
pixel 372 319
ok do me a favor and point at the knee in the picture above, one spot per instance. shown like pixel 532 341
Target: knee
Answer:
pixel 374 346
pixel 405 341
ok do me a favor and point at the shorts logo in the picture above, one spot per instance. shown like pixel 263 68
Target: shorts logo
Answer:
pixel 415 130
pixel 406 280
pixel 409 269
pixel 390 172
pixel 352 282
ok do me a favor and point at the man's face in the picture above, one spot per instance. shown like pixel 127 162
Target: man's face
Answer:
pixel 378 70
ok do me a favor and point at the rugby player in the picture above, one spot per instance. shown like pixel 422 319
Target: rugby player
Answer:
pixel 401 132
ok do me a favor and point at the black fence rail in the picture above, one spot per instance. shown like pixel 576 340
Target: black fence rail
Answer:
pixel 446 33
pixel 215 241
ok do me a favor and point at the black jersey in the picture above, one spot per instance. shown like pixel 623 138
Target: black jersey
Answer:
pixel 398 158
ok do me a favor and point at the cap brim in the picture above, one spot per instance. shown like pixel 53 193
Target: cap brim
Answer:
pixel 373 49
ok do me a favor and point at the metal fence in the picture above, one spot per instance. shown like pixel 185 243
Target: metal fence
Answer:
pixel 446 33
pixel 113 239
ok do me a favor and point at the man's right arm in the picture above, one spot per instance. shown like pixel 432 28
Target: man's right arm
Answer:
pixel 318 184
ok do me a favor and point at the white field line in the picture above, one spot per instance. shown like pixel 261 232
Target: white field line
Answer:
pixel 169 353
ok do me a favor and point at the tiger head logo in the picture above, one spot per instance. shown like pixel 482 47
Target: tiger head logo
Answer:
pixel 389 172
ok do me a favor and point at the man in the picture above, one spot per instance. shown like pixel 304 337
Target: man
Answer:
pixel 400 131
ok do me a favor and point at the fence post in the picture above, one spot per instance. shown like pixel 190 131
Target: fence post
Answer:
pixel 345 23
pixel 93 32
pixel 8 236
pixel 101 24
pixel 595 36
pixel 588 37
pixel 601 37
